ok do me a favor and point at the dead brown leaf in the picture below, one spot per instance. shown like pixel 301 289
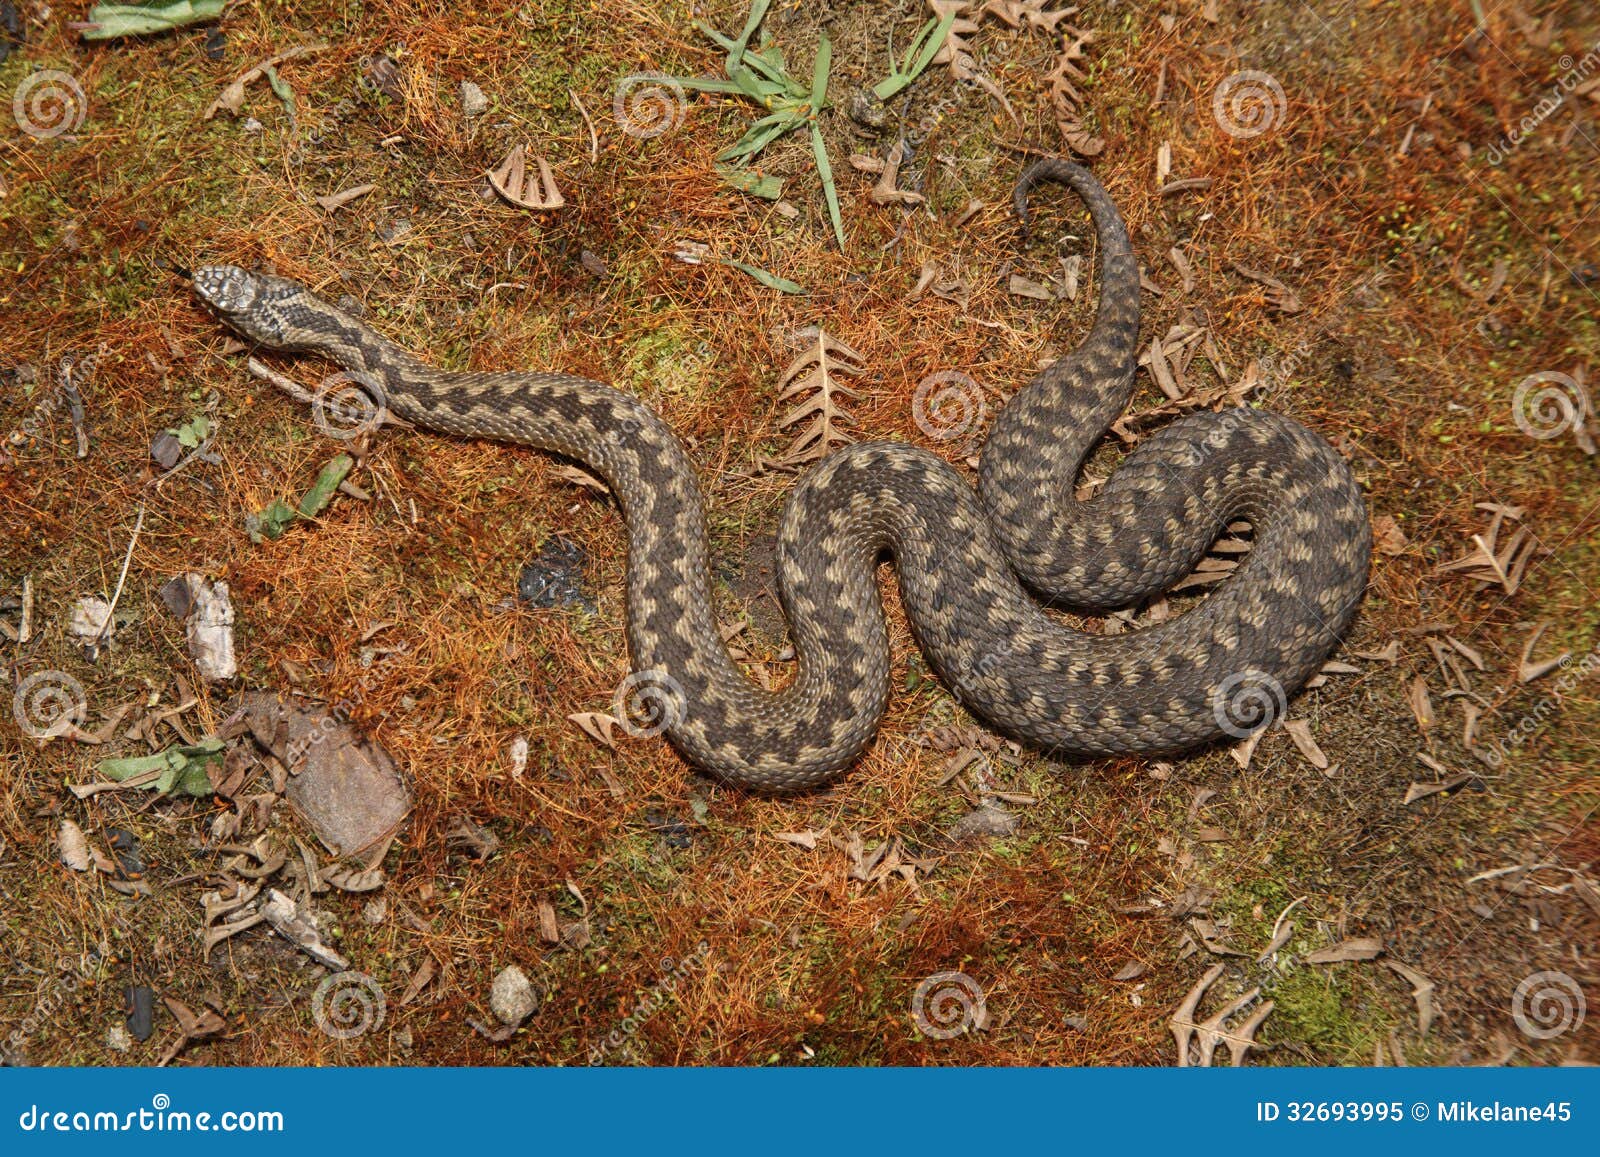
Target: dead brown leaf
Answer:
pixel 525 187
pixel 1358 948
pixel 814 377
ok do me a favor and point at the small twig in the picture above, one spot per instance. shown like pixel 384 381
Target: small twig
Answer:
pixel 199 451
pixel 1183 186
pixel 144 779
pixel 111 615
pixel 25 626
pixel 300 394
pixel 594 137
pixel 74 400
pixel 294 389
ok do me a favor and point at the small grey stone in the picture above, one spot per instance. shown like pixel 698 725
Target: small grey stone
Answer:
pixel 867 110
pixel 166 450
pixel 176 597
pixel 989 821
pixel 512 997
pixel 473 102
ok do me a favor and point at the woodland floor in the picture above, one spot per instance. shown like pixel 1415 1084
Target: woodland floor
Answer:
pixel 1426 266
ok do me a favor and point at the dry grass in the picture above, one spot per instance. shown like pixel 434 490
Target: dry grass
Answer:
pixel 1413 379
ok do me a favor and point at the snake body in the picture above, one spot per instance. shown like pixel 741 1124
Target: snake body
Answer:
pixel 966 560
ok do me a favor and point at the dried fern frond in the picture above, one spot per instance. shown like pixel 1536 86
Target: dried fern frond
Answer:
pixel 816 420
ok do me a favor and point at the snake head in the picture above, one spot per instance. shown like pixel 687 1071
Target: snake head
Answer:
pixel 258 306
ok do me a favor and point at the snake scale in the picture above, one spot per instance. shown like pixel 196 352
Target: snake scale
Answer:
pixel 966 560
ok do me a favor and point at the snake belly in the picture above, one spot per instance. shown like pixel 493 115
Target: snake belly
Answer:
pixel 973 566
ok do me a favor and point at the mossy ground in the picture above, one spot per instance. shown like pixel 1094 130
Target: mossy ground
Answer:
pixel 1375 162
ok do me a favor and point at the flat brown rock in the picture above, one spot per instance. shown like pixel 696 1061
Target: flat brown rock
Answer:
pixel 344 785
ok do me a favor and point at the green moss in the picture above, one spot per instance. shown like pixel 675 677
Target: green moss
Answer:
pixel 1318 1009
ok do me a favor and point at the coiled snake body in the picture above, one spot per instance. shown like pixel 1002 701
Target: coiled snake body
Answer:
pixel 1220 669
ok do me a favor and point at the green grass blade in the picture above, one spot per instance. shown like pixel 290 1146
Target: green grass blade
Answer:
pixel 758 138
pixel 751 62
pixel 714 36
pixel 819 73
pixel 709 84
pixel 923 49
pixel 825 171
pixel 770 280
pixel 761 91
pixel 758 13
pixel 931 49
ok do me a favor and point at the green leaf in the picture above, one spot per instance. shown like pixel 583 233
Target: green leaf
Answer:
pixel 109 21
pixel 768 188
pixel 193 432
pixel 709 84
pixel 321 492
pixel 758 13
pixel 752 86
pixel 776 76
pixel 770 280
pixel 271 522
pixel 825 171
pixel 279 515
pixel 768 62
pixel 183 769
pixel 940 33
pixel 280 88
pixel 761 134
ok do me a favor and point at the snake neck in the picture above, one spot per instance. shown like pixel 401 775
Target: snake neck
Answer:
pixel 374 360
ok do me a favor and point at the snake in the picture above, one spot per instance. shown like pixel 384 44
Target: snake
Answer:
pixel 983 571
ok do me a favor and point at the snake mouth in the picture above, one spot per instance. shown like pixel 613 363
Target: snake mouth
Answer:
pixel 225 288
